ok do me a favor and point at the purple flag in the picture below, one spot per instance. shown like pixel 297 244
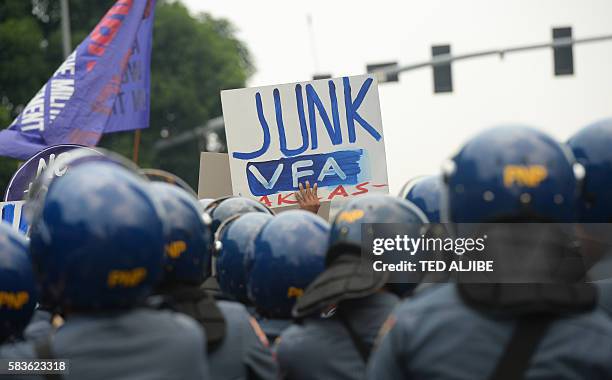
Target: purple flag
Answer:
pixel 102 87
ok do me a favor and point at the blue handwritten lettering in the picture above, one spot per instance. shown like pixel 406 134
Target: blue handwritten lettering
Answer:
pixel 353 106
pixel 329 169
pixel 281 125
pixel 314 102
pixel 315 105
pixel 266 134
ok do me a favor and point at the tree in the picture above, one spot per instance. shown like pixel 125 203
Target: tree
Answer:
pixel 7 165
pixel 23 68
pixel 193 58
pixel 196 58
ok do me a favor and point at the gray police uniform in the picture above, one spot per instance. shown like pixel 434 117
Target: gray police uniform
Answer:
pixel 436 336
pixel 605 296
pixel 322 348
pixel 140 344
pixel 243 353
pixel 39 327
pixel 237 348
pixel 601 272
pixel 273 328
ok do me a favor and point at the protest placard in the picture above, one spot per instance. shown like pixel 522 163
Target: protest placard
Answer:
pixel 214 181
pixel 22 180
pixel 13 214
pixel 327 132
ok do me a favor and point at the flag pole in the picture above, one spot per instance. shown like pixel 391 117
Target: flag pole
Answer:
pixel 66 39
pixel 136 146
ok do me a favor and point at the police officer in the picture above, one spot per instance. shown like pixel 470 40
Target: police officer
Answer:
pixel 235 350
pixel 235 251
pixel 290 253
pixel 17 285
pixel 509 331
pixel 591 146
pixel 424 192
pixel 342 310
pixel 223 208
pixel 220 210
pixel 97 247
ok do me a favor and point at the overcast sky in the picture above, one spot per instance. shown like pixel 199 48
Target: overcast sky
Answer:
pixel 422 129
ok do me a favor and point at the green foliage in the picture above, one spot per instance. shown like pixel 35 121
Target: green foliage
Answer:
pixel 23 69
pixel 7 165
pixel 193 58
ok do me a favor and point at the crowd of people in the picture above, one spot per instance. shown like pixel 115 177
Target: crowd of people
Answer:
pixel 127 275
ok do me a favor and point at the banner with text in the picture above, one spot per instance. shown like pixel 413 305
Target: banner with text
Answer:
pixel 102 87
pixel 327 132
pixel 22 180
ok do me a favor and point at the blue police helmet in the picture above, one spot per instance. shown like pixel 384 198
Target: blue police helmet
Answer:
pixel 226 207
pixel 98 241
pixel 511 173
pixel 346 233
pixel 424 192
pixel 17 286
pixel 188 239
pixel 592 147
pixel 290 253
pixel 235 251
pixel 158 175
pixel 347 237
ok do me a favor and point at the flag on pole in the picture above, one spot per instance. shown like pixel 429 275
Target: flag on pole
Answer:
pixel 102 87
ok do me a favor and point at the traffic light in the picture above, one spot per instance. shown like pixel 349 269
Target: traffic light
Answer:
pixel 563 56
pixel 321 76
pixel 378 66
pixel 442 75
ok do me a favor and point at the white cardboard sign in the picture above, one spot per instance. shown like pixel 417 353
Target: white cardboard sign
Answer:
pixel 215 179
pixel 327 132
